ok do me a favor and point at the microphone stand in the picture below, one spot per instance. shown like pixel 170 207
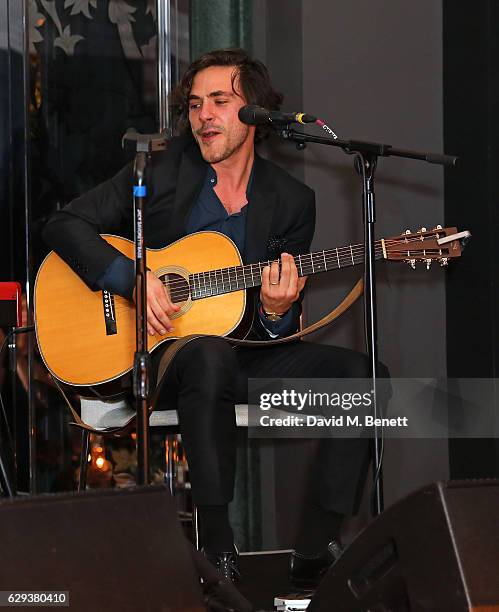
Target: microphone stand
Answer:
pixel 144 145
pixel 366 154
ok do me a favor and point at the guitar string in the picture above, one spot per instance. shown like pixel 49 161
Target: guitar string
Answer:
pixel 244 271
pixel 182 294
pixel 179 294
pixel 333 254
pixel 209 286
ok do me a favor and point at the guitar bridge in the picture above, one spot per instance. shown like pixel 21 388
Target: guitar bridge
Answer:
pixel 109 313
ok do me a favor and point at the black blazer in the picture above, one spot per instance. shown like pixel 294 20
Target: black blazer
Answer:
pixel 279 205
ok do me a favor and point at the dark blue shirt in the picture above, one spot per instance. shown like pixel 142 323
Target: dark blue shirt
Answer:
pixel 208 213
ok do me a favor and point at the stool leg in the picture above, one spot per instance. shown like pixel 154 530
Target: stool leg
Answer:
pixel 85 440
pixel 195 524
pixel 170 464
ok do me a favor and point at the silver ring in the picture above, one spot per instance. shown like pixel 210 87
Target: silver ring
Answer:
pixel 275 283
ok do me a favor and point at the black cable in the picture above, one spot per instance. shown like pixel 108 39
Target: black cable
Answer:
pixel 11 332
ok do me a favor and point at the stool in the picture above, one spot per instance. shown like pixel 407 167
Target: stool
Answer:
pixel 102 415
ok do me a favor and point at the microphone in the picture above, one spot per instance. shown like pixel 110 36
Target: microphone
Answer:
pixel 256 115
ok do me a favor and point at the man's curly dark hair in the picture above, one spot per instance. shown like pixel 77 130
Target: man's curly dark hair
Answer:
pixel 254 81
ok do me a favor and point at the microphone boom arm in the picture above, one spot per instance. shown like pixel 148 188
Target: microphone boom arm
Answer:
pixel 359 146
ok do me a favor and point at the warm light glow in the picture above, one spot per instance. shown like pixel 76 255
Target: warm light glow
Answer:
pixel 134 436
pixel 40 22
pixel 89 458
pixel 98 449
pixel 99 462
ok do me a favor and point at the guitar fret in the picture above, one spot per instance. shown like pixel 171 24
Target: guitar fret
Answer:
pixel 244 276
pixel 312 262
pixel 221 280
pixel 338 257
pixel 301 269
pixel 351 254
pixel 324 257
pixel 216 282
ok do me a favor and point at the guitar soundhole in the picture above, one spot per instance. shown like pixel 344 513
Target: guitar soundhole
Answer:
pixel 177 286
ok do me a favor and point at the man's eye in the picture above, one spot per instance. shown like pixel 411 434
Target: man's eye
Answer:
pixel 221 101
pixel 194 106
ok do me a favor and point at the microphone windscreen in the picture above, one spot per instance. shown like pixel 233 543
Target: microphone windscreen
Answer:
pixel 251 114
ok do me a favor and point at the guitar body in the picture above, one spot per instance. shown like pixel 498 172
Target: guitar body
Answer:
pixel 82 346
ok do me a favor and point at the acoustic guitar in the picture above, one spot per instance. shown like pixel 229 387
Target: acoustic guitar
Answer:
pixel 87 338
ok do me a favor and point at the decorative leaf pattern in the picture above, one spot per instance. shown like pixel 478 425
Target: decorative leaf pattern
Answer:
pixel 36 20
pixel 81 6
pixel 51 10
pixel 149 50
pixel 151 8
pixel 119 11
pixel 67 41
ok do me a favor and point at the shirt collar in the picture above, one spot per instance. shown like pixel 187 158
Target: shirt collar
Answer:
pixel 211 178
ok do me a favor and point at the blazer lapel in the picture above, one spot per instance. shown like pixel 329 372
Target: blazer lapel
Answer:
pixel 191 175
pixel 262 202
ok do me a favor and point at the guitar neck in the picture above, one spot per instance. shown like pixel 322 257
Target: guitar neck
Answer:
pixel 226 280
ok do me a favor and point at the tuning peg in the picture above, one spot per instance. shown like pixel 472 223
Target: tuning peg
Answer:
pixel 428 263
pixel 407 231
pixel 444 261
pixel 423 229
pixel 437 227
pixel 412 263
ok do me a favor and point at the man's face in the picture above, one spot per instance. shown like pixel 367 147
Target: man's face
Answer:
pixel 213 108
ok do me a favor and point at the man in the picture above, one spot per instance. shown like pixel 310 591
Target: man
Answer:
pixel 210 178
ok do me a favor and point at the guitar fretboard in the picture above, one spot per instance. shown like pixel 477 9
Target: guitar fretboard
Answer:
pixel 226 280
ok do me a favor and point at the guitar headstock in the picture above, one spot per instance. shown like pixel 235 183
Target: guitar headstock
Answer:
pixel 439 244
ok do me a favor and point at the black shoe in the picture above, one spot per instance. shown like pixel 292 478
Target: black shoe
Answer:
pixel 306 572
pixel 226 563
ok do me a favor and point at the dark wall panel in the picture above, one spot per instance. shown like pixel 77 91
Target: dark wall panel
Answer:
pixel 471 103
pixel 373 71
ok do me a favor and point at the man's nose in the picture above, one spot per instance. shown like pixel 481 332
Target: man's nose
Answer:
pixel 206 112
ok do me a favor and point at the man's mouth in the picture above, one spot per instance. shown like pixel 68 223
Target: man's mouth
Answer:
pixel 209 135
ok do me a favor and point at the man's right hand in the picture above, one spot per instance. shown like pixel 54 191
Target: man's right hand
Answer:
pixel 159 307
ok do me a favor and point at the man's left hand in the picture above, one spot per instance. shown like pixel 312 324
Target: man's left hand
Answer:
pixel 281 288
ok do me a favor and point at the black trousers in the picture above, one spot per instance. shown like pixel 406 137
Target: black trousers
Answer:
pixel 209 376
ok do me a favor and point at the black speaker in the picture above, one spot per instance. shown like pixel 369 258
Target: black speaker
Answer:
pixel 436 550
pixel 111 550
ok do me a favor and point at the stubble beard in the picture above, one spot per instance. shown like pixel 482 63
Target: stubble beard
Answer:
pixel 217 152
